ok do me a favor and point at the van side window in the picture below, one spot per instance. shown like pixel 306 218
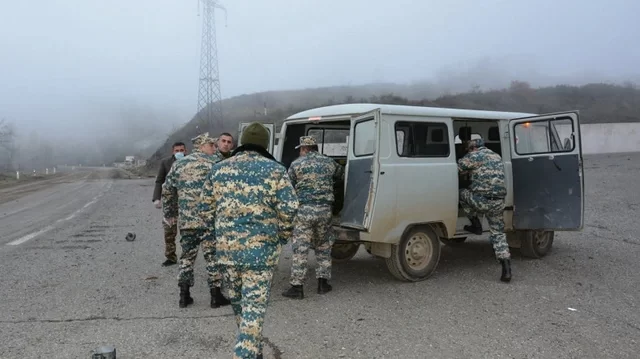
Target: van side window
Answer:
pixel 364 138
pixel 422 139
pixel 544 136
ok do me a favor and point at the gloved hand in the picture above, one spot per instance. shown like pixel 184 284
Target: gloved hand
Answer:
pixel 157 203
pixel 169 221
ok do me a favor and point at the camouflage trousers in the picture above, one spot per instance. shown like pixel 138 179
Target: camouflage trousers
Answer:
pixel 249 291
pixel 190 240
pixel 493 209
pixel 170 233
pixel 312 229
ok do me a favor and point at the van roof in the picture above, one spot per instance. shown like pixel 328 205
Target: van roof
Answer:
pixel 357 108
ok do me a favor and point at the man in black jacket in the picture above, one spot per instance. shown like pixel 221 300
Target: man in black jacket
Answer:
pixel 170 229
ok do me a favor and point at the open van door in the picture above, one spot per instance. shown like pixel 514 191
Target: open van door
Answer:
pixel 270 127
pixel 548 178
pixel 362 171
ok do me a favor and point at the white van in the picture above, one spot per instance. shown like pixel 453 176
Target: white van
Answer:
pixel 400 195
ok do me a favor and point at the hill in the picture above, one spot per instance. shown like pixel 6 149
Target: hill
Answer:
pixel 597 102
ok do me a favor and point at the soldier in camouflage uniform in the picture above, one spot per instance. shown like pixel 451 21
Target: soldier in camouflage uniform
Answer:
pixel 486 196
pixel 249 200
pixel 313 175
pixel 181 194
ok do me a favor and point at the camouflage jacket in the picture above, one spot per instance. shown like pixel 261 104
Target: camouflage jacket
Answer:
pixel 313 176
pixel 250 202
pixel 487 172
pixel 181 190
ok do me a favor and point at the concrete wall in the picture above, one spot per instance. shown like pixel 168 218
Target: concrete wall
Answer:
pixel 610 137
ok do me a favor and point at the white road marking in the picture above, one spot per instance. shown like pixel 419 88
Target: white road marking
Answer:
pixel 30 236
pixel 48 228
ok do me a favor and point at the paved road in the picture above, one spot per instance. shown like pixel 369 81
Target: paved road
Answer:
pixel 81 285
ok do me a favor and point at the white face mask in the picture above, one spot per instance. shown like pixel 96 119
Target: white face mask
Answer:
pixel 179 155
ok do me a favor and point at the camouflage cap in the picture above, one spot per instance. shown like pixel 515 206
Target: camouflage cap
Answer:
pixel 307 141
pixel 478 142
pixel 202 139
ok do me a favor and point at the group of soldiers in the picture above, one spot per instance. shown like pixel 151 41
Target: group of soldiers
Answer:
pixel 241 207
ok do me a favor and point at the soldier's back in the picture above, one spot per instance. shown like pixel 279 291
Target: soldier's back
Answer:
pixel 190 174
pixel 248 195
pixel 488 179
pixel 314 178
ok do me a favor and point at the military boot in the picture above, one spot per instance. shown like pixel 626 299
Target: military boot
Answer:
pixel 323 286
pixel 217 299
pixel 475 227
pixel 506 270
pixel 259 356
pixel 295 292
pixel 185 296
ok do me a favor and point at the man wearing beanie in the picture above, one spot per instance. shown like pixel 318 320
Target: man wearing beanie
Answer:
pixel 249 200
pixel 486 196
pixel 181 196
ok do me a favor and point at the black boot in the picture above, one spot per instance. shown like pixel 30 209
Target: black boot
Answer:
pixel 323 286
pixel 185 296
pixel 294 292
pixel 506 270
pixel 259 356
pixel 217 299
pixel 475 227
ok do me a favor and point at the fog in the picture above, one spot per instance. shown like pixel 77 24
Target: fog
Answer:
pixel 95 80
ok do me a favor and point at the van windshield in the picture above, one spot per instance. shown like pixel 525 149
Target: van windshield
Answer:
pixel 332 142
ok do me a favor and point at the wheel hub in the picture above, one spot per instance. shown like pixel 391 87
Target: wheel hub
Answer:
pixel 418 251
pixel 541 239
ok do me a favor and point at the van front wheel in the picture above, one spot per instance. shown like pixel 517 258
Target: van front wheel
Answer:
pixel 417 255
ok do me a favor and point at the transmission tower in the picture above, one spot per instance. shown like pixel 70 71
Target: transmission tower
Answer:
pixel 209 96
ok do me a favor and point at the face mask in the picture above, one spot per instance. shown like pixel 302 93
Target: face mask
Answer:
pixel 179 155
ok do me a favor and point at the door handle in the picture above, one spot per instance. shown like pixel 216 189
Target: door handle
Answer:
pixel 369 171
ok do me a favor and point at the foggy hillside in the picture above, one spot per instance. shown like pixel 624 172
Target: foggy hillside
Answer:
pixel 597 102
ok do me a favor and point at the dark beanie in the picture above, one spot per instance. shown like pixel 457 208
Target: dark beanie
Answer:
pixel 255 134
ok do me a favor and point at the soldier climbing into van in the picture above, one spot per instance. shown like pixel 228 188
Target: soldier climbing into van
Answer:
pixel 486 195
pixel 313 175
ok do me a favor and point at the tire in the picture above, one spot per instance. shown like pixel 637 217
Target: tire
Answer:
pixel 416 256
pixel 536 244
pixel 342 252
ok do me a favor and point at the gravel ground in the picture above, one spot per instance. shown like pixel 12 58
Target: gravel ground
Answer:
pixel 80 285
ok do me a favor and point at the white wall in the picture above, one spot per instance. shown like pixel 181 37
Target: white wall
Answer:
pixel 610 137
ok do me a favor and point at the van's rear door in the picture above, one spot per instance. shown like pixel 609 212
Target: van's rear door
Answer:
pixel 362 171
pixel 270 127
pixel 548 180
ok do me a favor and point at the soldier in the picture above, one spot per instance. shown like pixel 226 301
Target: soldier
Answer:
pixel 170 231
pixel 313 176
pixel 486 196
pixel 225 145
pixel 249 200
pixel 180 195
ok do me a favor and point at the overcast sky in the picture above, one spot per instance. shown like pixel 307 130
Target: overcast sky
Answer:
pixel 64 62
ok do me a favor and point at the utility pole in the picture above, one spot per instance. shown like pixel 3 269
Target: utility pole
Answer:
pixel 209 97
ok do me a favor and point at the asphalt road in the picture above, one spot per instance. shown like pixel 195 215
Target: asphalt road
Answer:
pixel 80 285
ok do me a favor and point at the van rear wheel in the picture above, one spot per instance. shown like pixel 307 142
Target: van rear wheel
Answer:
pixel 342 252
pixel 416 256
pixel 535 244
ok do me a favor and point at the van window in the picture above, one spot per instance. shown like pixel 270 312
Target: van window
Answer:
pixel 364 138
pixel 544 136
pixel 422 139
pixel 331 141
